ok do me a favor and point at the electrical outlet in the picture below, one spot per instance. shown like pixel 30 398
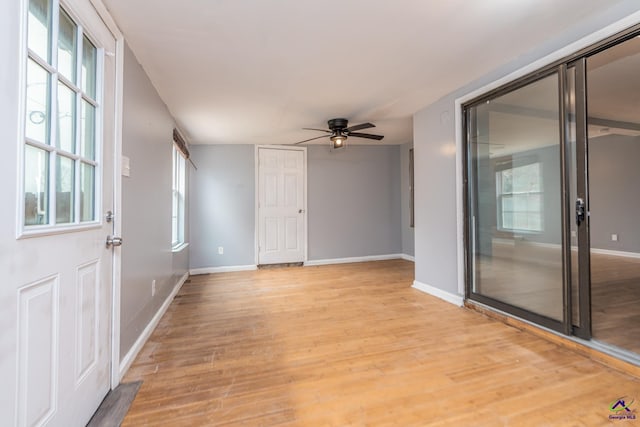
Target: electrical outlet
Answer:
pixel 220 250
pixel 614 237
pixel 153 287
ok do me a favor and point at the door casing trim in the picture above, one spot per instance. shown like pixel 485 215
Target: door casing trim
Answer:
pixel 110 23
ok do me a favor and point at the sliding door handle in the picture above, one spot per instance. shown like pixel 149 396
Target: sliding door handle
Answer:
pixel 580 211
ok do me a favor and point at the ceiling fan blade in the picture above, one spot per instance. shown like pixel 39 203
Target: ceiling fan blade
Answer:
pixel 360 127
pixel 310 139
pixel 321 130
pixel 365 135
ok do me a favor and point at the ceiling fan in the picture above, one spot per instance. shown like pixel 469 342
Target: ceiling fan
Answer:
pixel 339 130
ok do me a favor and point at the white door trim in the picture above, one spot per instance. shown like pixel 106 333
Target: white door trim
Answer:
pixel 117 189
pixel 117 206
pixel 256 162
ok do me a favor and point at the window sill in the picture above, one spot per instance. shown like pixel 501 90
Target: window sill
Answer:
pixel 180 247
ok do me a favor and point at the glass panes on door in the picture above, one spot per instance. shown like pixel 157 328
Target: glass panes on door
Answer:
pixel 36 186
pixel 38 106
pixel 39 36
pixel 514 200
pixel 60 156
pixel 67 35
pixel 66 137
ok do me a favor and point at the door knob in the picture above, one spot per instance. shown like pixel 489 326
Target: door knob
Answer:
pixel 114 241
pixel 300 210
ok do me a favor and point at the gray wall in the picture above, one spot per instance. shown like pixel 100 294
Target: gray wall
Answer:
pixel 146 205
pixel 406 230
pixel 222 205
pixel 434 141
pixel 435 196
pixel 353 203
pixel 614 179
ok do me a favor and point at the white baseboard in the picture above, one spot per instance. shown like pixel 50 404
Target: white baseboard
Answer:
pixel 226 269
pixel 573 248
pixel 454 299
pixel 615 253
pixel 232 268
pixel 408 257
pixel 353 259
pixel 128 359
pixel 545 245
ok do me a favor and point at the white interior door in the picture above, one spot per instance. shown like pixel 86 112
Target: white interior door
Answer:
pixel 55 348
pixel 281 205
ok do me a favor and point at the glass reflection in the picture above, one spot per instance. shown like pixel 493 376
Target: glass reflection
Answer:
pixel 39 28
pixel 67 47
pixel 87 195
pixel 66 119
pixel 88 130
pixel 89 59
pixel 515 199
pixel 36 186
pixel 36 124
pixel 614 177
pixel 65 173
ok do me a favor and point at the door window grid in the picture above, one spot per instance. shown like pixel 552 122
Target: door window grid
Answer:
pixel 178 191
pixel 60 164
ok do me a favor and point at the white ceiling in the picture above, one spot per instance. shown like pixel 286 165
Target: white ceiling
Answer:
pixel 257 71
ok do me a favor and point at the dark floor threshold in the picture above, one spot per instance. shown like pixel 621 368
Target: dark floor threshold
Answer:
pixel 282 265
pixel 115 405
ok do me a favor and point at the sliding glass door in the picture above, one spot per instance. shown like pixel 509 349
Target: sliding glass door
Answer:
pixel 515 215
pixel 613 147
pixel 552 195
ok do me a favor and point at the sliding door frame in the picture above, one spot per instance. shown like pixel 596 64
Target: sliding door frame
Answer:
pixel 583 329
pixel 565 203
pixel 561 66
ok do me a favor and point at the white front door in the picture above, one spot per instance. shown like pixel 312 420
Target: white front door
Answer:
pixel 281 205
pixel 55 346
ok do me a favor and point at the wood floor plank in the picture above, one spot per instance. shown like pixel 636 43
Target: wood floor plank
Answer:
pixel 354 344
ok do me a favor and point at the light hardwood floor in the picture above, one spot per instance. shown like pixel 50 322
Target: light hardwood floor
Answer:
pixel 354 344
pixel 615 300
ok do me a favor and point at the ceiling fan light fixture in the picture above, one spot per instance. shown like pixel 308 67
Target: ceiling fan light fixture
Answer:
pixel 338 139
pixel 339 131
